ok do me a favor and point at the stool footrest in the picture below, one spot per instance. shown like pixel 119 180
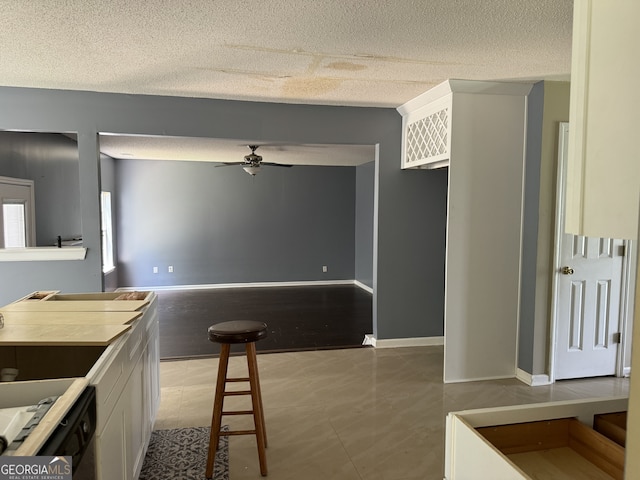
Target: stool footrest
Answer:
pixel 237 432
pixel 239 392
pixel 243 379
pixel 239 412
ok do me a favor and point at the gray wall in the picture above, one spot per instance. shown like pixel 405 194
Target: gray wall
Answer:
pixel 411 222
pixel 365 176
pixel 410 207
pixel 51 161
pixel 220 225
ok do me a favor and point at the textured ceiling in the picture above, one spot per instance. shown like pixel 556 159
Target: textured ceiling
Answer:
pixel 333 52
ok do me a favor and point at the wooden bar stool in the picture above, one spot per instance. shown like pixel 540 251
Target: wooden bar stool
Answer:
pixel 227 333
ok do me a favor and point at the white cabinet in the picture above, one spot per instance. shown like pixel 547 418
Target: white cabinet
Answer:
pixel 128 396
pixel 603 172
pixel 433 124
pixel 426 130
pixel 553 440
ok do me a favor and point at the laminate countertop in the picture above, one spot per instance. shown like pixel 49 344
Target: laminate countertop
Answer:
pixel 80 322
pixel 76 306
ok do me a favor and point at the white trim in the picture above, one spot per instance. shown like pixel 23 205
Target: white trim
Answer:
pixel 629 265
pixel 240 285
pixel 563 138
pixel 369 339
pixel 403 342
pixel 364 287
pixel 464 86
pixel 42 254
pixel 532 380
pixel 479 379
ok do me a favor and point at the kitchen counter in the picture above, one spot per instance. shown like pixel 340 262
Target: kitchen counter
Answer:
pixel 64 343
pixel 52 319
pixel 61 328
pixel 52 301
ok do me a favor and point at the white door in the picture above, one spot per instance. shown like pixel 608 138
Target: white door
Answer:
pixel 588 307
pixel 588 281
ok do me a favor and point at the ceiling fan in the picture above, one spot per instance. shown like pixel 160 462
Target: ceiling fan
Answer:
pixel 252 162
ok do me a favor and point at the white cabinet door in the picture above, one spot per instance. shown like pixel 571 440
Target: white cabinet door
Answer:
pixel 111 446
pixel 603 182
pixel 137 422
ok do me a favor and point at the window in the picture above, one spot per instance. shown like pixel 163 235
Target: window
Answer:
pixel 107 232
pixel 17 216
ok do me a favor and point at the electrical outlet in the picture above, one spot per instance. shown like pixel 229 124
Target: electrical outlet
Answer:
pixel 324 269
pixel 155 269
pixel 170 269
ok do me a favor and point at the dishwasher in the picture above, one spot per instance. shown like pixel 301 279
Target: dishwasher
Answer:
pixel 74 436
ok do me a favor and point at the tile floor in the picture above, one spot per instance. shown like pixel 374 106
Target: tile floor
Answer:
pixel 362 414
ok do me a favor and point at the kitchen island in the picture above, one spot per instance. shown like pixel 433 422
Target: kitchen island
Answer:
pixel 61 343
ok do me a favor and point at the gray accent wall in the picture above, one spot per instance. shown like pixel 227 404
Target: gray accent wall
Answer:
pixel 411 222
pixel 219 225
pixel 410 207
pixel 365 176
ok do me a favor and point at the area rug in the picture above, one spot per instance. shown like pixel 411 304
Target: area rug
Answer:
pixel 181 454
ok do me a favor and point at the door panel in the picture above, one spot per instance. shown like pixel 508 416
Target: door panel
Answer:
pixel 588 307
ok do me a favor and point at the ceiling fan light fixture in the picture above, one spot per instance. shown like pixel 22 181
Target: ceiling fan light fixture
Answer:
pixel 252 169
pixel 253 157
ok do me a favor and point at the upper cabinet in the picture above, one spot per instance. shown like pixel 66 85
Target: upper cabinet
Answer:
pixel 603 171
pixel 434 122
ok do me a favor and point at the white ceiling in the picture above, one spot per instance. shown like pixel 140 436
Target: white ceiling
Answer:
pixel 334 52
pixel 225 150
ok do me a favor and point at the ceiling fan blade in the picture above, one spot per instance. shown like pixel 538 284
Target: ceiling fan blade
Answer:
pixel 229 164
pixel 271 164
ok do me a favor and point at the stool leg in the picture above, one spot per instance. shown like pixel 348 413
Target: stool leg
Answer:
pixel 259 390
pixel 216 419
pixel 256 400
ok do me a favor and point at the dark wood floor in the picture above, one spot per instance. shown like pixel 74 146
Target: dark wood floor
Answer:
pixel 299 318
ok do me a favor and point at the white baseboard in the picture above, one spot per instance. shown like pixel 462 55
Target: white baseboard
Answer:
pixel 403 342
pixel 532 380
pixel 243 285
pixel 477 379
pixel 364 287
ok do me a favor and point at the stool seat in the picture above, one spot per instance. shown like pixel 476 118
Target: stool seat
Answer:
pixel 239 331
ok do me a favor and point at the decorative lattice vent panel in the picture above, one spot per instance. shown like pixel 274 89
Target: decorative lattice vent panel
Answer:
pixel 427 137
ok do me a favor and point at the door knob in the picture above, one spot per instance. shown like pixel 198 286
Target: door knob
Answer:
pixel 567 270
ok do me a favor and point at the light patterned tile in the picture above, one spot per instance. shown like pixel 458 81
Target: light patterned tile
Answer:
pixel 361 414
